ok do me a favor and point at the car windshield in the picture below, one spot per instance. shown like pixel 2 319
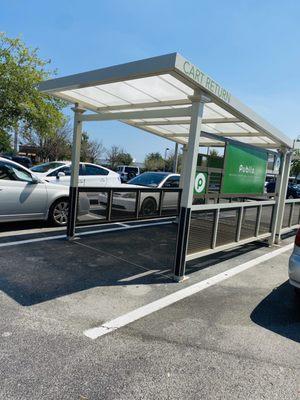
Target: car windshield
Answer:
pixel 47 166
pixel 151 179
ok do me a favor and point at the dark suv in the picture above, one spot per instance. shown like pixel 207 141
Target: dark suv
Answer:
pixel 25 161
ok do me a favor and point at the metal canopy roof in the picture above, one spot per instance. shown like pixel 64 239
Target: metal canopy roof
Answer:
pixel 154 95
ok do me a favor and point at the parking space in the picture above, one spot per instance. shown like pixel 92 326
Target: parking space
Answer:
pixel 234 330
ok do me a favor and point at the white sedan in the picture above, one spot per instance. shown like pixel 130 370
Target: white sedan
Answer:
pixel 23 196
pixel 149 200
pixel 90 175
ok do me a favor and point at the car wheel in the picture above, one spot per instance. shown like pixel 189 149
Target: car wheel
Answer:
pixel 58 214
pixel 149 207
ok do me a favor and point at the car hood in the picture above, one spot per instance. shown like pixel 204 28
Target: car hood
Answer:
pixel 41 174
pixel 54 186
pixel 125 185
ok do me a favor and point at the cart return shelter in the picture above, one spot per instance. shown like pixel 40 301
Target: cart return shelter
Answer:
pixel 170 97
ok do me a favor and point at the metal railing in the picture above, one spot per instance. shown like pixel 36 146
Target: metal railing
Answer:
pixel 213 227
pixel 291 215
pixel 120 204
pixel 217 227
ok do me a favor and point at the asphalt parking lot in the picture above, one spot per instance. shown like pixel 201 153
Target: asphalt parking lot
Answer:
pixel 236 339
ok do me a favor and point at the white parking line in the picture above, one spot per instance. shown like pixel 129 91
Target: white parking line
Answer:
pixel 32 231
pixel 42 239
pixel 137 276
pixel 46 238
pixel 166 301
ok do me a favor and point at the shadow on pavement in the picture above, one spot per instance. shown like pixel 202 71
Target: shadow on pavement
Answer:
pixel 279 312
pixel 22 225
pixel 216 258
pixel 38 272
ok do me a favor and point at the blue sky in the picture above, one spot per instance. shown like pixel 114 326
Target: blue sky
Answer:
pixel 251 47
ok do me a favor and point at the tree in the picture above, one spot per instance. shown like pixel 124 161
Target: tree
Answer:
pixel 154 162
pixel 117 156
pixel 295 165
pixel 213 153
pixel 91 150
pixel 5 142
pixel 125 158
pixel 56 146
pixel 22 107
pixel 169 163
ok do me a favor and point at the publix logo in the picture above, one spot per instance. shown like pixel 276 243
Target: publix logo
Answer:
pixel 200 183
pixel 246 169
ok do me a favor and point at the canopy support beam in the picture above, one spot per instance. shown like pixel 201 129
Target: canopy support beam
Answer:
pixel 164 113
pixel 190 166
pixel 280 196
pixel 187 122
pixel 73 191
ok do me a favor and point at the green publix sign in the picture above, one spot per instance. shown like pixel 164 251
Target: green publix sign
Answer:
pixel 245 170
pixel 205 81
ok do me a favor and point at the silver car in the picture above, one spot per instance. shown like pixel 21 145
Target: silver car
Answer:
pixel 149 201
pixel 294 265
pixel 23 196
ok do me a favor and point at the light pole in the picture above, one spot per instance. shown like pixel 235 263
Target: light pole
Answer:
pixel 166 152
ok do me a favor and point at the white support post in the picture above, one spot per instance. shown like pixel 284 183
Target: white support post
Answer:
pixel 183 162
pixel 73 192
pixel 282 196
pixel 188 177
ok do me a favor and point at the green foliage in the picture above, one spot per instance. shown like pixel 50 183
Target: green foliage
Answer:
pixel 214 153
pixel 117 156
pixel 125 158
pixel 170 163
pixel 215 160
pixel 154 162
pixel 295 166
pixel 22 106
pixel 5 142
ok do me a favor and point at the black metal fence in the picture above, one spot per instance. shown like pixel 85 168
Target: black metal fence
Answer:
pixel 218 227
pixel 119 204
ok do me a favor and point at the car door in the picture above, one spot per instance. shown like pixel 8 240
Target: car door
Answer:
pixel 21 196
pixel 62 176
pixel 171 198
pixel 94 176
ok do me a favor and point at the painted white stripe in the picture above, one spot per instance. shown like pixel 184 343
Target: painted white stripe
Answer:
pixel 122 228
pixel 120 223
pixel 24 232
pixel 157 220
pixel 166 301
pixel 163 271
pixel 142 274
pixel 42 239
pixel 46 238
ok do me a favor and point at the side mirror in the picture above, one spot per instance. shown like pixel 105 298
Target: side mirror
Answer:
pixel 35 180
pixel 60 174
